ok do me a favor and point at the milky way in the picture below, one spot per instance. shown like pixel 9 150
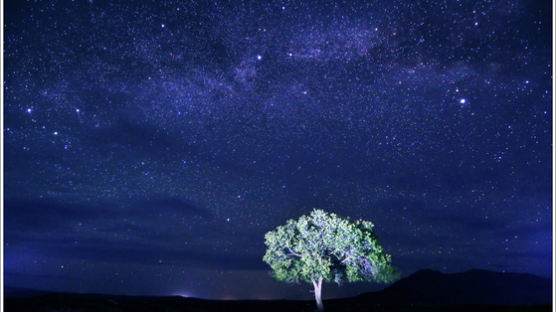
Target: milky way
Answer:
pixel 149 146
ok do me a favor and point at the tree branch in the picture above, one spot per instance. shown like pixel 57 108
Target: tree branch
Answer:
pixel 293 253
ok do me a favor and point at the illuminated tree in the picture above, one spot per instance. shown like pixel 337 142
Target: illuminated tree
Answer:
pixel 325 247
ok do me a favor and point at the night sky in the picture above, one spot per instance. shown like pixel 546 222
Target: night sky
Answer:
pixel 149 146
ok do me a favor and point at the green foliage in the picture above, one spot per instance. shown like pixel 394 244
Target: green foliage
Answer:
pixel 324 245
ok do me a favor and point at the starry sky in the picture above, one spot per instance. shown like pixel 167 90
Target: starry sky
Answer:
pixel 150 145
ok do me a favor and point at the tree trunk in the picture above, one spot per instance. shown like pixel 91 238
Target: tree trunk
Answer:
pixel 318 288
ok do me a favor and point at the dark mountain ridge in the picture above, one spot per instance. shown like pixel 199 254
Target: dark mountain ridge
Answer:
pixel 428 287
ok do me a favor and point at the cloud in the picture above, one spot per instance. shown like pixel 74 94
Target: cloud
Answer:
pixel 37 221
pixel 111 232
pixel 47 214
pixel 140 137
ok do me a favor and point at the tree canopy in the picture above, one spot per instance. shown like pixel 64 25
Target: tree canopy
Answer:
pixel 325 247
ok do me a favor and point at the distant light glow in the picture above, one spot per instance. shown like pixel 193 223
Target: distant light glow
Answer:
pixel 184 294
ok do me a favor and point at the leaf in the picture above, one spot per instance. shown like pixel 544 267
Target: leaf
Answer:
pixel 324 245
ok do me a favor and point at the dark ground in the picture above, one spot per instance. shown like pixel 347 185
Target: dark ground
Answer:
pixel 426 290
pixel 85 303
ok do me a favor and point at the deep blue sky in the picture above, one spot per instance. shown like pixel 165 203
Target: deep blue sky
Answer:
pixel 150 145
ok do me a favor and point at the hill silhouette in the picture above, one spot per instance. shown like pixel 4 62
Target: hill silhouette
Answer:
pixel 428 287
pixel 425 290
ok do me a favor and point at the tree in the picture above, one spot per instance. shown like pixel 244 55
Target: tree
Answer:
pixel 325 247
